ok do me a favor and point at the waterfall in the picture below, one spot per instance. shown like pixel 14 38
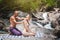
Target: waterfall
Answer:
pixel 45 15
pixel 47 24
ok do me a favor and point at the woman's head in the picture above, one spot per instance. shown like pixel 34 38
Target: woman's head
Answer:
pixel 28 17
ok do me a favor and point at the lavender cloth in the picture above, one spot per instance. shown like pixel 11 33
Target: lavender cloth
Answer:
pixel 15 31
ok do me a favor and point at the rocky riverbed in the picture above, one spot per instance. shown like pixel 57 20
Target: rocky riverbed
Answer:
pixel 41 33
pixel 44 25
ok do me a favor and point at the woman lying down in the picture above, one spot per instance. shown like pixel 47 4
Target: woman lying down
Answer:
pixel 13 22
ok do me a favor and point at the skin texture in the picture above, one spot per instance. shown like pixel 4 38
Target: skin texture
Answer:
pixel 26 23
pixel 13 23
pixel 13 19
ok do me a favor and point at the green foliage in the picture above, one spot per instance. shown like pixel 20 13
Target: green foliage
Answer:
pixel 28 5
pixel 51 2
pixel 1 1
pixel 58 3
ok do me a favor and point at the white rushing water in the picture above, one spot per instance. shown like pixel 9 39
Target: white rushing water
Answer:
pixel 45 16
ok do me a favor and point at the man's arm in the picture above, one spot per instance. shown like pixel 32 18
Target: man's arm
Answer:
pixel 20 18
pixel 16 21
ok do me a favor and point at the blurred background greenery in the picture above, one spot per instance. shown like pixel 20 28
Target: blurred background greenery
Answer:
pixel 7 6
pixel 28 5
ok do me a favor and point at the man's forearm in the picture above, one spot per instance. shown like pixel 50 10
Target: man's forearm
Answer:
pixel 21 18
pixel 18 22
